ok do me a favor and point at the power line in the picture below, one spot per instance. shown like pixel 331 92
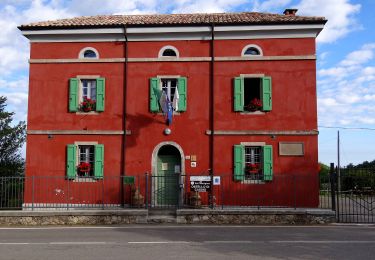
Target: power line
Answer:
pixel 348 128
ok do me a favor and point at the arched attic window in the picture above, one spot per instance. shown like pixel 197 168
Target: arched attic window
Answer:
pixel 168 52
pixel 251 50
pixel 88 53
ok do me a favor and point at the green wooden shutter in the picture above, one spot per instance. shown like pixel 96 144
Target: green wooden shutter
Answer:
pixel 99 161
pixel 238 94
pixel 71 168
pixel 154 95
pixel 73 94
pixel 182 92
pixel 239 163
pixel 100 94
pixel 267 162
pixel 266 94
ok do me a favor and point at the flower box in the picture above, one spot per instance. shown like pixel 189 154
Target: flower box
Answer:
pixel 254 105
pixel 87 105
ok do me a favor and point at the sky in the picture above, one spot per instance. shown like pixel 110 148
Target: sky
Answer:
pixel 345 52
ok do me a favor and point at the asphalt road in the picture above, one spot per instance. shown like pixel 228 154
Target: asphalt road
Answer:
pixel 188 242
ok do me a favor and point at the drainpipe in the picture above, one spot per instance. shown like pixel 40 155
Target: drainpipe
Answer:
pixel 212 114
pixel 122 168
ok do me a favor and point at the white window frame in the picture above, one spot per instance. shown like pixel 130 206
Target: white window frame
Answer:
pixel 253 144
pixel 161 77
pixel 80 91
pixel 247 76
pixel 160 55
pixel 251 46
pixel 77 146
pixel 82 53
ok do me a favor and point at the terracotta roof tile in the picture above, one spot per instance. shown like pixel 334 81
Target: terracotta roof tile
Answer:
pixel 174 19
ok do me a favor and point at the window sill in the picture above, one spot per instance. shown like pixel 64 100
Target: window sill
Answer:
pixel 253 113
pixel 174 113
pixel 88 113
pixel 253 182
pixel 84 179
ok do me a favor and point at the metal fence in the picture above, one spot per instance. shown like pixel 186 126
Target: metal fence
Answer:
pixel 355 195
pixel 174 191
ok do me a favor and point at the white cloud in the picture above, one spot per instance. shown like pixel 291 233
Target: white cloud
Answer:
pixel 340 15
pixel 347 91
pixel 361 56
pixel 270 5
pixel 207 6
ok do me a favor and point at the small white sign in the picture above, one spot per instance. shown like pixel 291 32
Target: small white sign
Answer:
pixel 187 157
pixel 216 180
pixel 164 166
pixel 200 178
pixel 193 164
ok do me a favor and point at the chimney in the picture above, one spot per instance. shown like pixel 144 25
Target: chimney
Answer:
pixel 291 12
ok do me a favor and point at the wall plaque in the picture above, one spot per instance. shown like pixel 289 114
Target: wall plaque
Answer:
pixel 291 148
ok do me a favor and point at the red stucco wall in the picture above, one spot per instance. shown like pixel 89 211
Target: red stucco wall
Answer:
pixel 294 108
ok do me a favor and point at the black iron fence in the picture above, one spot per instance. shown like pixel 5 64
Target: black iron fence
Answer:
pixel 355 195
pixel 174 191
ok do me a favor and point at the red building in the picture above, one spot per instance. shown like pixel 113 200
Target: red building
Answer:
pixel 231 94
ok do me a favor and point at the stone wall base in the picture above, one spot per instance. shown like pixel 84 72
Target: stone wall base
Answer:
pixel 256 217
pixel 188 216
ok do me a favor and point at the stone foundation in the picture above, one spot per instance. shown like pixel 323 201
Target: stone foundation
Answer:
pixel 184 216
pixel 256 217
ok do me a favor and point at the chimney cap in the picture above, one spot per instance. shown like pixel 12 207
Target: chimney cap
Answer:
pixel 290 11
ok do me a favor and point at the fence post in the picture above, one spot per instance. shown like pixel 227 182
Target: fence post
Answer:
pixel 32 190
pixel 103 193
pixel 146 193
pixel 295 191
pixel 332 180
pixel 68 194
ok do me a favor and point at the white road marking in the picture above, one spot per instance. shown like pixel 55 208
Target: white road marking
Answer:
pixel 195 242
pixel 159 242
pixel 78 243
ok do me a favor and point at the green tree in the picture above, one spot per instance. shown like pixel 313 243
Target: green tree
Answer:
pixel 11 140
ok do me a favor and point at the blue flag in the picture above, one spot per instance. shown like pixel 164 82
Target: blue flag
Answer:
pixel 169 112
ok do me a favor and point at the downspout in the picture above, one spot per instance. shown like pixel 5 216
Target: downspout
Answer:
pixel 122 168
pixel 212 114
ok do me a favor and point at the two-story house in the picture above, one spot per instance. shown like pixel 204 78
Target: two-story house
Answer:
pixel 175 95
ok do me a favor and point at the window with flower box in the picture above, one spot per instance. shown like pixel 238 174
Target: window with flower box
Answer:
pixel 85 160
pixel 252 94
pixel 253 163
pixel 173 87
pixel 86 94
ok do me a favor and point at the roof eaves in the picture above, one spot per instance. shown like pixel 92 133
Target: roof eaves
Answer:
pixel 57 27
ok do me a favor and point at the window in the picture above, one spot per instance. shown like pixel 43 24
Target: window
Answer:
pixel 169 87
pixel 86 94
pixel 88 53
pixel 85 160
pixel 253 162
pixel 172 88
pixel 252 94
pixel 252 49
pixel 88 89
pixel 168 52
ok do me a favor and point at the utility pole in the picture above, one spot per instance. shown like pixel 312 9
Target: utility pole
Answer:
pixel 338 162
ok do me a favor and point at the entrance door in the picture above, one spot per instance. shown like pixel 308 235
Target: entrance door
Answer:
pixel 166 181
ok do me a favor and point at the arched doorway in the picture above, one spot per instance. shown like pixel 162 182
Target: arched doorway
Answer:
pixel 166 176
